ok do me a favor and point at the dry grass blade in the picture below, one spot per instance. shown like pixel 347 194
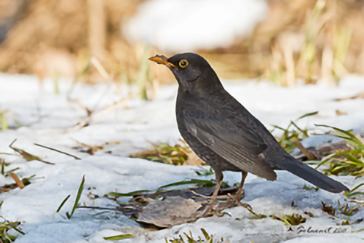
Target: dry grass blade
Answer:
pixel 307 153
pixel 95 62
pixel 59 151
pixel 19 183
pixel 165 153
pixel 91 149
pixel 17 180
pixel 27 156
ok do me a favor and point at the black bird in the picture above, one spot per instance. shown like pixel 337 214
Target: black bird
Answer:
pixel 224 134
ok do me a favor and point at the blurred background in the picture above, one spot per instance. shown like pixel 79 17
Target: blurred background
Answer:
pixel 93 40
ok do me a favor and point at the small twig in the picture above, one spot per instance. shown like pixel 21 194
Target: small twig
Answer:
pixel 57 151
pixel 17 180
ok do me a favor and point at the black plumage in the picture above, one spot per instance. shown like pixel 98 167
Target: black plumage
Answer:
pixel 223 133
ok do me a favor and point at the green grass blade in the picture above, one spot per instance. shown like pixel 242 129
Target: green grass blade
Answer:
pixel 352 191
pixel 308 114
pixel 128 194
pixel 119 237
pixel 18 230
pixel 207 237
pixel 63 202
pixel 198 182
pixel 80 189
pixel 347 135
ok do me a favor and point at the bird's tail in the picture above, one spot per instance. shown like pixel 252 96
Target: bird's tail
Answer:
pixel 311 175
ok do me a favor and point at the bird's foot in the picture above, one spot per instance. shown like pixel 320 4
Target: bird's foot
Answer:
pixel 211 210
pixel 245 205
pixel 236 202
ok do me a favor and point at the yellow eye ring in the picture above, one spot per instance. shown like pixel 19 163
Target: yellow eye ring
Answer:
pixel 183 63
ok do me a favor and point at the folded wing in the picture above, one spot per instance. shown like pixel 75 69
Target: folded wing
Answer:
pixel 225 132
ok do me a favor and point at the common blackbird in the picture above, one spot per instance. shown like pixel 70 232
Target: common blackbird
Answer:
pixel 224 134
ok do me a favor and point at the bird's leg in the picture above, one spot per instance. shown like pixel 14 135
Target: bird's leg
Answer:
pixel 243 176
pixel 218 177
pixel 240 190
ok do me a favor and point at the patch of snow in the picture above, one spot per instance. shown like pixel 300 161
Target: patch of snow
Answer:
pixel 187 25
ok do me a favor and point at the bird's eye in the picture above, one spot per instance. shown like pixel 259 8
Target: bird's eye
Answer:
pixel 183 63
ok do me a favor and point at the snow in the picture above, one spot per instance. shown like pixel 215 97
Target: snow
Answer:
pixel 182 25
pixel 50 119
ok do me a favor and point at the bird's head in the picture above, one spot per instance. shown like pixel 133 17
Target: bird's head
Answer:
pixel 192 71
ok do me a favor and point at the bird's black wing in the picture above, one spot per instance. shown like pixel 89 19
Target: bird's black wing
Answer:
pixel 224 131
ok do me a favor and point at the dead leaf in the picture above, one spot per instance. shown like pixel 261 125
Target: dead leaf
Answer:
pixel 340 113
pixel 169 212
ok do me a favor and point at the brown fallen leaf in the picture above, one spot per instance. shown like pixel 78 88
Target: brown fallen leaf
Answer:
pixel 340 113
pixel 169 212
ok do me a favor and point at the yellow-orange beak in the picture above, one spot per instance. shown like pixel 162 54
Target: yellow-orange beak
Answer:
pixel 162 60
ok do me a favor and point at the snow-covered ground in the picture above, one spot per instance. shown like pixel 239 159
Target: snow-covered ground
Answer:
pixel 46 118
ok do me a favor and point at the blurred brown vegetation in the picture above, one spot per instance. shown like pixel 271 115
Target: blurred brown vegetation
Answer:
pixel 306 39
pixel 51 37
